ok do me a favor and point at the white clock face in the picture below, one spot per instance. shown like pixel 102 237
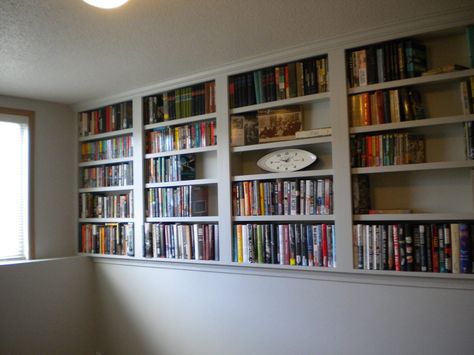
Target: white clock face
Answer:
pixel 285 160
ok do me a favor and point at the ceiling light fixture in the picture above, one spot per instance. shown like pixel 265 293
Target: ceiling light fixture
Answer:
pixel 106 4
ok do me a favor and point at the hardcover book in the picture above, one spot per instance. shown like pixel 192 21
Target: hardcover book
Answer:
pixel 199 201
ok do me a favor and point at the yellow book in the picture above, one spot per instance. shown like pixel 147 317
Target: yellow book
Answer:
pixel 455 251
pixel 261 186
pixel 240 255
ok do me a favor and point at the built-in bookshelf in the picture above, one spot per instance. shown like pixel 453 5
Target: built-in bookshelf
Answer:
pixel 390 124
pixel 410 118
pixel 180 187
pixel 105 192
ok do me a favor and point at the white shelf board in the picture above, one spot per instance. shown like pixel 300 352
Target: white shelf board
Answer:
pixel 415 274
pixel 426 122
pixel 279 103
pixel 197 219
pixel 181 121
pixel 285 218
pixel 282 144
pixel 415 217
pixel 290 175
pixel 181 152
pixel 106 188
pixel 462 164
pixel 106 220
pixel 428 79
pixel 182 183
pixel 121 132
pixel 105 162
pixel 110 256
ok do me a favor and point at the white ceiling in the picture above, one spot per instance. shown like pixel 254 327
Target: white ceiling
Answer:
pixel 66 51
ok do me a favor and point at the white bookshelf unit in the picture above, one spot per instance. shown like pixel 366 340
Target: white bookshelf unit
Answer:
pixel 106 207
pixel 437 191
pixel 180 160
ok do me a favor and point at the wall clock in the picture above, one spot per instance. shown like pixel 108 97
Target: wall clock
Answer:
pixel 285 160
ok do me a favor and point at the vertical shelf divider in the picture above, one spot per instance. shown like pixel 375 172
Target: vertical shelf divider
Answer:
pixel 138 175
pixel 223 174
pixel 340 154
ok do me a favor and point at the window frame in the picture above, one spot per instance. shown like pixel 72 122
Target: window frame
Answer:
pixel 30 118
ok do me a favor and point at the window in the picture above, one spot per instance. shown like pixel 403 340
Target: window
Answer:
pixel 15 184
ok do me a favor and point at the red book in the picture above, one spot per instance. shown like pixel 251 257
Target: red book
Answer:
pixel 108 118
pixel 325 244
pixel 213 96
pixel 84 241
pixel 366 119
pixel 396 247
pixel 435 247
pixel 368 151
pixel 95 114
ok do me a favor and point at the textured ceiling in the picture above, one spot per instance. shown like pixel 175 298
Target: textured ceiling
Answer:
pixel 66 51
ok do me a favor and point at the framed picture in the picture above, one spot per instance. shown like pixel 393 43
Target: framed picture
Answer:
pixel 244 130
pixel 279 125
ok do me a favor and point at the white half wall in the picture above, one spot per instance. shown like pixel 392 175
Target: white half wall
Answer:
pixel 47 307
pixel 147 310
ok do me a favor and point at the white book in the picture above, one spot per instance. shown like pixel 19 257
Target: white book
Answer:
pixel 311 133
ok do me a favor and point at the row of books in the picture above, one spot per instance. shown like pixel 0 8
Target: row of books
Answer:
pixel 106 119
pixel 92 205
pixel 442 247
pixel 392 60
pixel 108 175
pixel 387 149
pixel 283 197
pixel 108 238
pixel 285 244
pixel 193 135
pixel 305 77
pixel 180 103
pixel 172 168
pixel 181 241
pixel 385 106
pixel 179 201
pixel 118 147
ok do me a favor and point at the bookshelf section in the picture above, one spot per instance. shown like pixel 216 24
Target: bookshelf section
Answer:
pixel 180 184
pixel 106 183
pixel 277 111
pixel 410 123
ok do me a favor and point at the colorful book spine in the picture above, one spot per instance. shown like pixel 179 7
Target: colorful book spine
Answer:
pixel 443 248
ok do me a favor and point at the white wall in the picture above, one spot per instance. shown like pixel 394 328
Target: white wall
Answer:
pixel 46 307
pixel 145 310
pixel 54 184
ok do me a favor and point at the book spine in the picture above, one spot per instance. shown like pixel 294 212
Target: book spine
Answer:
pixel 465 249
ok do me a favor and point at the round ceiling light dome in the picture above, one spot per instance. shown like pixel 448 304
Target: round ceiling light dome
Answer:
pixel 106 4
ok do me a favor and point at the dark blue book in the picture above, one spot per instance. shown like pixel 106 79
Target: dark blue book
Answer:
pixel 465 249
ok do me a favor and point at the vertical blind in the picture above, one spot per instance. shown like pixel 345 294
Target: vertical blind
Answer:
pixel 13 186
